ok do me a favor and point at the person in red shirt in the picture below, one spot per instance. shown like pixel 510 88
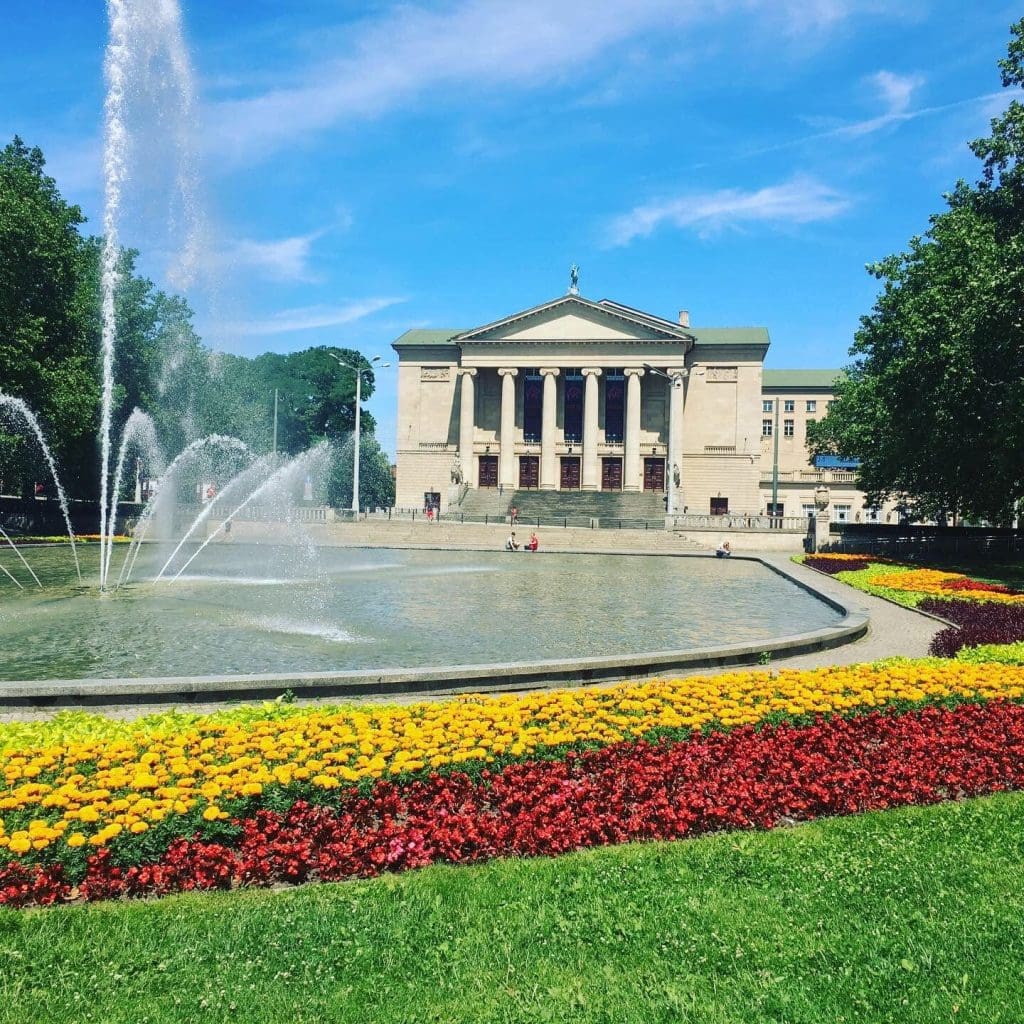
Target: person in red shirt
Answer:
pixel 533 543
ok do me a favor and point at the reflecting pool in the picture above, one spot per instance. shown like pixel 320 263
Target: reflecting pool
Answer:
pixel 256 608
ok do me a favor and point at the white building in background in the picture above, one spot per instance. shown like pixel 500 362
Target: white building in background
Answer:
pixel 575 395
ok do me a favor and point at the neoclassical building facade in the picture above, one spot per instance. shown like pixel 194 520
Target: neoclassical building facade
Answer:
pixel 577 395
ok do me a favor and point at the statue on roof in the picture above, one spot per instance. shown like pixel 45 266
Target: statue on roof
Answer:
pixel 574 280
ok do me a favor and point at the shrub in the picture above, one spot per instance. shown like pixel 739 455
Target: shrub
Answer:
pixel 1006 654
pixel 833 563
pixel 976 624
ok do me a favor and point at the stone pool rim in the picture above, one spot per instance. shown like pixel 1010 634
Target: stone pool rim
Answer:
pixel 439 680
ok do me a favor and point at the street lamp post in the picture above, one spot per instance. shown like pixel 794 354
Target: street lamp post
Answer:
pixel 675 381
pixel 358 371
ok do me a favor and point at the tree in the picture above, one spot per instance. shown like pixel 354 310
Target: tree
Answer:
pixel 316 398
pixel 47 321
pixel 933 404
pixel 376 484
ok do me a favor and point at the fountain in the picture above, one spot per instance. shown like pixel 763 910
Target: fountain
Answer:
pixel 16 405
pixel 145 53
pixel 289 614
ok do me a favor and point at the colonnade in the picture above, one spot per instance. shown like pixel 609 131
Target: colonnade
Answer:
pixel 632 477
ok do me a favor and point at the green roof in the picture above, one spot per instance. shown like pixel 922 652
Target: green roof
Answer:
pixel 729 335
pixel 428 336
pixel 801 379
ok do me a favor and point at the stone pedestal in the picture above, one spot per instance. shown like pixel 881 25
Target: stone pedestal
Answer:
pixel 822 529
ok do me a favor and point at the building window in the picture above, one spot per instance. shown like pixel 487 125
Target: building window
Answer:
pixel 840 513
pixel 812 405
pixel 767 405
pixel 789 405
pixel 808 510
pixel 614 405
pixel 828 405
pixel 766 428
pixel 787 428
pixel 572 409
pixel 872 515
pixel 775 509
pixel 719 506
pixel 533 399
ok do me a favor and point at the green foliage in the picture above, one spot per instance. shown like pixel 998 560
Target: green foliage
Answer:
pixel 376 485
pixel 933 404
pixel 1004 654
pixel 910 915
pixel 48 322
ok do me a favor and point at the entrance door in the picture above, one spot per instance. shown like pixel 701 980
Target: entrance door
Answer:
pixel 488 471
pixel 529 471
pixel 719 506
pixel 654 474
pixel 611 474
pixel 569 479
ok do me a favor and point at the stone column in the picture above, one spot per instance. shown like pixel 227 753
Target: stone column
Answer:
pixel 548 462
pixel 591 475
pixel 467 427
pixel 822 518
pixel 674 469
pixel 506 436
pixel 632 477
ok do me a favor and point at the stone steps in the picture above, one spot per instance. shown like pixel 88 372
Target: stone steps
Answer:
pixel 602 505
pixel 484 503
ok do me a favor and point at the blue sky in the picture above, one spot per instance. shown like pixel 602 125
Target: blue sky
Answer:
pixel 366 168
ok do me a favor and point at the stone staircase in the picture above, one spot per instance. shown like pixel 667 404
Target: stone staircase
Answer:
pixel 481 505
pixel 579 507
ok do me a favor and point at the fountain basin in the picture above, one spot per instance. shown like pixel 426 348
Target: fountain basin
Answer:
pixel 250 624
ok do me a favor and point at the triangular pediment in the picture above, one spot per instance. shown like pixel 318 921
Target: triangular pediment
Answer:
pixel 573 318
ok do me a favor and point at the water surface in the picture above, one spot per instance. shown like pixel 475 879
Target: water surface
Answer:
pixel 248 608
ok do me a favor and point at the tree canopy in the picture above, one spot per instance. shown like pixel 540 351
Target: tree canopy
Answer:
pixel 48 279
pixel 933 404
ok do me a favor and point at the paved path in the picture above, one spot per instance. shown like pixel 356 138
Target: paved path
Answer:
pixel 894 630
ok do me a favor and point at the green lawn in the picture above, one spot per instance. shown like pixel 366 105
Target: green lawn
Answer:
pixel 914 915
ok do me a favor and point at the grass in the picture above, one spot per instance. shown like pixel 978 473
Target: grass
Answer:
pixel 912 916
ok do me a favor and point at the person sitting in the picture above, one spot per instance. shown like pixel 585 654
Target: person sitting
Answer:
pixel 533 543
pixel 723 550
pixel 512 544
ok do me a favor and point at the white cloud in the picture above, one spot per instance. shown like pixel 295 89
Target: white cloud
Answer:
pixel 799 201
pixel 481 45
pixel 896 92
pixel 286 259
pixel 309 317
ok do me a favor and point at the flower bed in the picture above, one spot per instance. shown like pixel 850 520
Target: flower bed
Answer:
pixel 833 564
pixel 85 799
pixel 746 778
pixel 984 613
pixel 975 624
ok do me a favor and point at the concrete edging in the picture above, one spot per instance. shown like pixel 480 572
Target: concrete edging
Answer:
pixel 513 676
